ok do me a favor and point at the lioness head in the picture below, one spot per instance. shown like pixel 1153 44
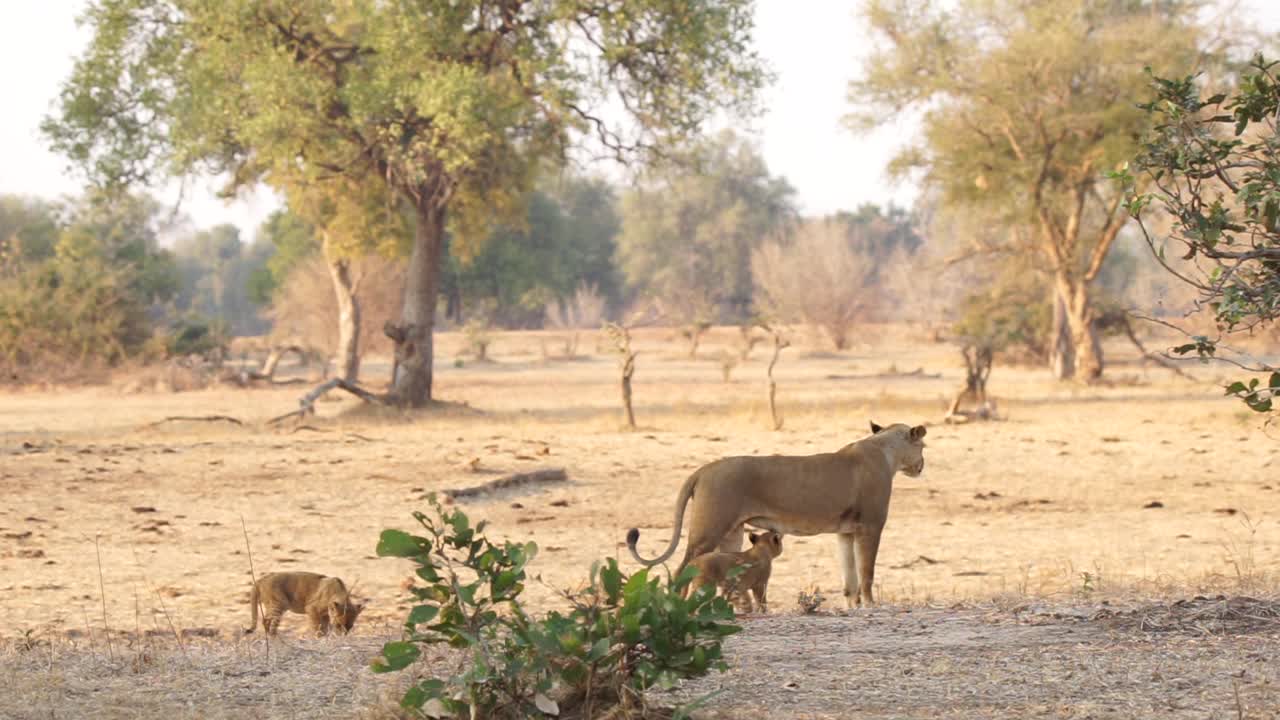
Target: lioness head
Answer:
pixel 769 540
pixel 908 446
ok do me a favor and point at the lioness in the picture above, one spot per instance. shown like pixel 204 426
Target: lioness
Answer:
pixel 324 600
pixel 714 567
pixel 844 492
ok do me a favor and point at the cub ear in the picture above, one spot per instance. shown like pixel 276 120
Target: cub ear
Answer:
pixel 917 432
pixel 875 428
pixel 754 538
pixel 337 606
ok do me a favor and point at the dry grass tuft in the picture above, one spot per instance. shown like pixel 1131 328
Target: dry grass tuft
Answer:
pixel 1220 615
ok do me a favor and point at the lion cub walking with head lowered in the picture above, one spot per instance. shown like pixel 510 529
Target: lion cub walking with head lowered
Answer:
pixel 714 567
pixel 324 600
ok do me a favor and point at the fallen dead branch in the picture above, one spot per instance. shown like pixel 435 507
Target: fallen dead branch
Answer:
pixel 246 377
pixel 533 477
pixel 886 375
pixel 308 401
pixel 195 418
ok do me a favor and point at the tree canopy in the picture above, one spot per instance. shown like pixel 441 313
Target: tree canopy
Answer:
pixel 451 105
pixel 565 239
pixel 687 236
pixel 1024 106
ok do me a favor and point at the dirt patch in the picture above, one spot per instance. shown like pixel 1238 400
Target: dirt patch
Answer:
pixel 984 663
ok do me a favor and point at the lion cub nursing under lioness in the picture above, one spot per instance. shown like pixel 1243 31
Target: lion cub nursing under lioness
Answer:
pixel 714 567
pixel 324 600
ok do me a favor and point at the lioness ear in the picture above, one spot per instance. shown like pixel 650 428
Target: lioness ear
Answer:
pixel 875 428
pixel 754 538
pixel 917 432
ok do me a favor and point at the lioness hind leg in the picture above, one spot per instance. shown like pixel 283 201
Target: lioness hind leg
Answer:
pixel 865 549
pixel 705 540
pixel 848 565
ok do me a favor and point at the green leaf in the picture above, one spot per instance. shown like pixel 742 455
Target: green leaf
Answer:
pixel 633 589
pixel 397 543
pixel 611 578
pixel 422 614
pixel 396 656
pixel 414 698
pixel 599 649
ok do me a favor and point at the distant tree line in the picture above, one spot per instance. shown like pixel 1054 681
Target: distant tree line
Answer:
pixel 686 235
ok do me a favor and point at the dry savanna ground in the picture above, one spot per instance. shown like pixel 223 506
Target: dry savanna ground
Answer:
pixel 1032 571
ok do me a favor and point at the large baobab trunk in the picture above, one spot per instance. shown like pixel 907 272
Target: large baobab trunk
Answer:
pixel 348 350
pixel 411 385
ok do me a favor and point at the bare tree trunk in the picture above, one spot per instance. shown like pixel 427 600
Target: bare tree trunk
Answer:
pixel 779 344
pixel 1062 357
pixel 1079 315
pixel 1084 332
pixel 694 332
pixel 277 354
pixel 978 360
pixel 628 369
pixel 411 385
pixel 348 350
pixel 621 335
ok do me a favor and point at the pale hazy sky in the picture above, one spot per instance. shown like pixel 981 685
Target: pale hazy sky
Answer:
pixel 813 45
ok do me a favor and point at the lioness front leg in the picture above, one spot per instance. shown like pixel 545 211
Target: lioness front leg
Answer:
pixel 271 619
pixel 319 621
pixel 848 565
pixel 866 545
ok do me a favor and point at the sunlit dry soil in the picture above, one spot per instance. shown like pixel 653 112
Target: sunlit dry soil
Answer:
pixel 1152 486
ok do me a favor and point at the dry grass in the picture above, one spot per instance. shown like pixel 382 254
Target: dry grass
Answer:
pixel 206 678
pixel 1046 508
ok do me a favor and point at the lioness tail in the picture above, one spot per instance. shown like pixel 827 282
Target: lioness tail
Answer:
pixel 633 535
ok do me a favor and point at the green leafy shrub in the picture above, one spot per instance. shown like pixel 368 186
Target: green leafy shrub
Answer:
pixel 622 634
pixel 1211 164
pixel 60 312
